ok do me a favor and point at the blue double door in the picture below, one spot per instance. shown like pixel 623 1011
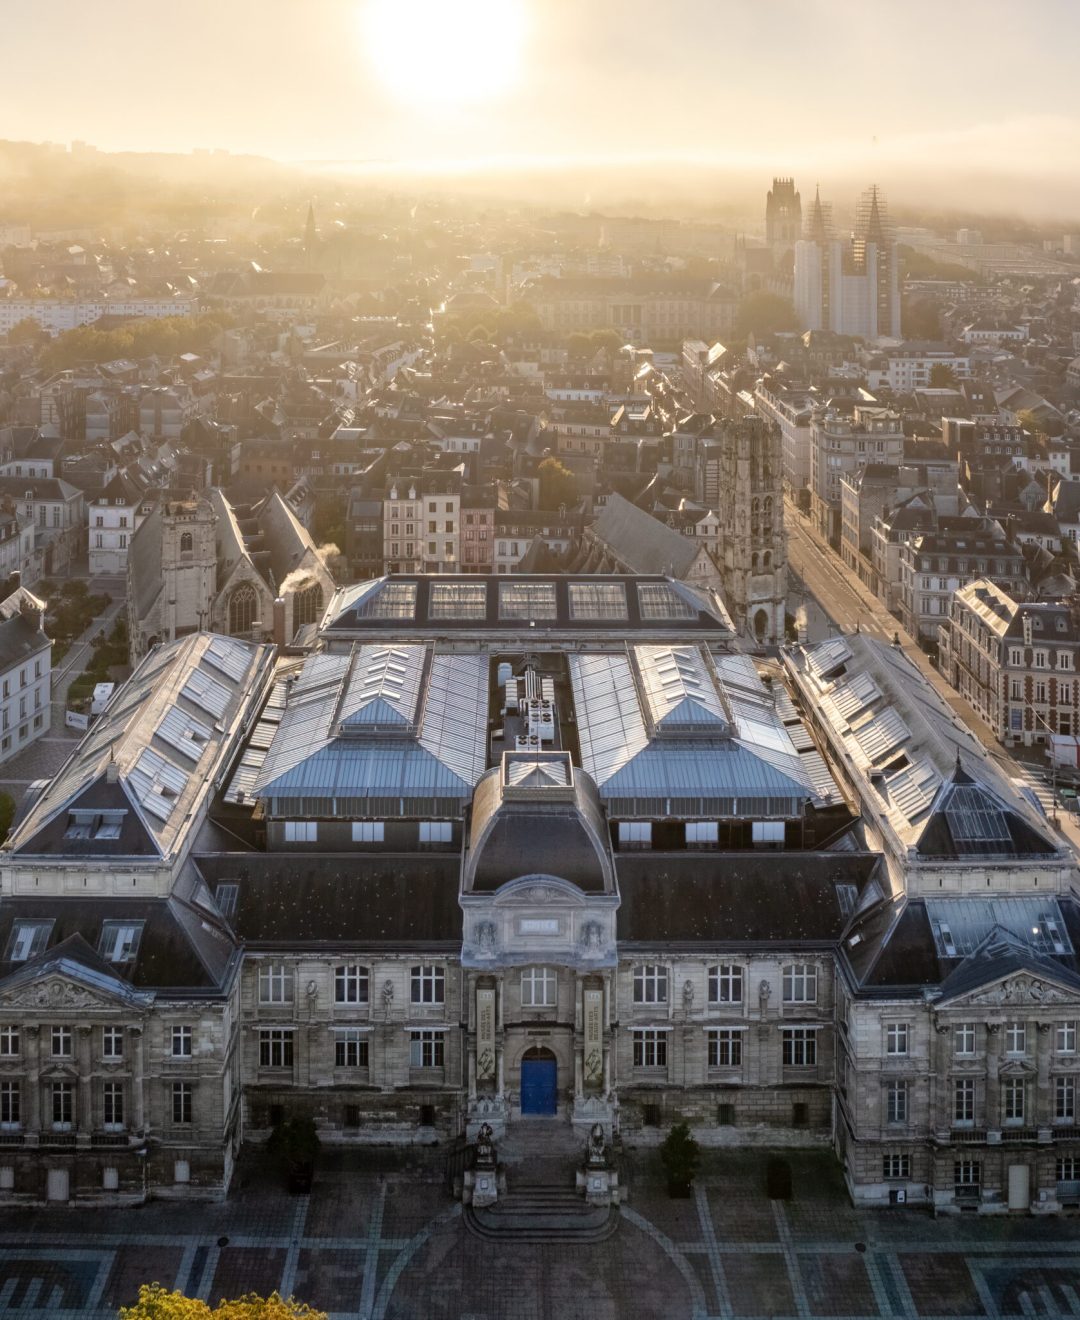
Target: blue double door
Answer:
pixel 539 1083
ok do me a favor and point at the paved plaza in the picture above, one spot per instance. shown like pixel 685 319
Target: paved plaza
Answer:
pixel 380 1238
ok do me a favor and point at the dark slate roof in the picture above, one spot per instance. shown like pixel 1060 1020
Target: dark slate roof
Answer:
pixel 641 541
pixel 968 819
pixel 179 948
pixel 21 637
pixel 892 946
pixel 376 900
pixel 738 898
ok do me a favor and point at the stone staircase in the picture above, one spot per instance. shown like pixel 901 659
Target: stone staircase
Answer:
pixel 542 1214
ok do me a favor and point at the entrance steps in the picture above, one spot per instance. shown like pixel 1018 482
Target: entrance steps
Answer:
pixel 542 1214
pixel 550 1138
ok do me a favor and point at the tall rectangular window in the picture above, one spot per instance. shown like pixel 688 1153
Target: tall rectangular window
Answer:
pixel 10 1106
pixel 1012 1096
pixel 275 983
pixel 896 1038
pixel 650 1049
pixel 964 1038
pixel 800 983
pixel 1065 1038
pixel 1065 1099
pixel 350 1049
pixel 351 984
pixel 61 1043
pixel 112 1042
pixel 181 1042
pixel 428 984
pixel 799 1045
pixel 1015 1038
pixel 650 984
pixel 275 1048
pixel 964 1100
pixel 427 1049
pixel 896 1167
pixel 112 1106
pixel 725 1048
pixel 896 1102
pixel 63 1106
pixel 538 987
pixel 181 1102
pixel 9 1042
pixel 725 984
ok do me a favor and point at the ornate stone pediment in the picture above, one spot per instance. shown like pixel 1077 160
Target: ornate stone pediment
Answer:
pixel 1022 990
pixel 56 992
pixel 1016 1068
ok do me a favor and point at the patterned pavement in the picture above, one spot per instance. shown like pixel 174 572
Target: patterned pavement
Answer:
pixel 378 1238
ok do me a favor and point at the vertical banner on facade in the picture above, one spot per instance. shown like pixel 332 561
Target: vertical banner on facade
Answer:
pixel 485 1035
pixel 594 1037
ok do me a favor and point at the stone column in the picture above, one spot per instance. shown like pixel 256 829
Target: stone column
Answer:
pixel 993 1085
pixel 84 1116
pixel 1042 1108
pixel 941 1112
pixel 33 1072
pixel 137 1039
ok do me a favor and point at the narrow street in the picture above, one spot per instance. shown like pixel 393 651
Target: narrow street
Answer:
pixel 837 591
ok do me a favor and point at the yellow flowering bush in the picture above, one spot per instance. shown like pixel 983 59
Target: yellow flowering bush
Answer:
pixel 157 1303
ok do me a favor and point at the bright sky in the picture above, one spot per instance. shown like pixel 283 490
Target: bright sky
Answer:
pixel 781 83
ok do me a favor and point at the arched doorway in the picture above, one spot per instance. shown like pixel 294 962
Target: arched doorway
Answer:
pixel 539 1081
pixel 761 625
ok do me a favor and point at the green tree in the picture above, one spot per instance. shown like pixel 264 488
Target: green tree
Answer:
pixel 557 485
pixel 28 331
pixel 919 319
pixel 579 345
pixel 942 376
pixel 680 1155
pixel 763 313
pixel 157 1303
pixel 1049 425
pixel 607 341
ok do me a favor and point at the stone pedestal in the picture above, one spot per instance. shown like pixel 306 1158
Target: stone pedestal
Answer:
pixel 597 1180
pixel 491 1110
pixel 480 1185
pixel 590 1109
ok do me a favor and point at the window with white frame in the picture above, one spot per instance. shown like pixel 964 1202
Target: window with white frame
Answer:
pixel 63 1106
pixel 368 831
pixel 964 1038
pixel 725 984
pixel 10 1106
pixel 650 1049
pixel 181 1042
pixel 436 831
pixel 1012 1097
pixel 428 984
pixel 1065 1099
pixel 538 987
pixel 725 1048
pixel 650 984
pixel 635 834
pixel 895 1167
pixel 427 1049
pixel 702 833
pixel 301 831
pixel 112 1106
pixel 352 984
pixel 9 1042
pixel 1015 1038
pixel 275 1047
pixel 896 1102
pixel 896 1038
pixel 1067 1168
pixel 1065 1038
pixel 182 1103
pixel 800 983
pixel 275 983
pixel 350 1048
pixel 967 1176
pixel 799 1047
pixel 27 939
pixel 61 1043
pixel 964 1100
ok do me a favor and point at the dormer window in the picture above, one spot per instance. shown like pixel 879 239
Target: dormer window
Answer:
pixel 27 939
pixel 94 824
pixel 119 941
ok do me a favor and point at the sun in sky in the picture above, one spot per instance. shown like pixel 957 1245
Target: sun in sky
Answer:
pixel 445 52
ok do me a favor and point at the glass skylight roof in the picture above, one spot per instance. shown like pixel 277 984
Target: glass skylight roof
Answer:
pixel 657 600
pixel 395 600
pixel 457 600
pixel 527 600
pixel 597 600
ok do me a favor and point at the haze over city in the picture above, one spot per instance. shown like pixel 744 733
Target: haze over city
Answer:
pixel 959 104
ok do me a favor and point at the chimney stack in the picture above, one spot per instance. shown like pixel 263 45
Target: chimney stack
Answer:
pixel 279 622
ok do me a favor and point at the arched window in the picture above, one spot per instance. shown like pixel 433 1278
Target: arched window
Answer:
pixel 753 562
pixel 242 606
pixel 186 543
pixel 766 559
pixel 307 605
